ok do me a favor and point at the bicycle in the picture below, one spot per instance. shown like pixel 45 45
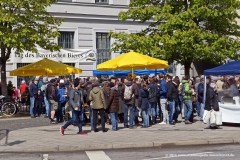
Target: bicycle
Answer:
pixel 8 108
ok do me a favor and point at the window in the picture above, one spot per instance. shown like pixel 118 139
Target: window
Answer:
pixel 103 47
pixel 101 1
pixel 66 40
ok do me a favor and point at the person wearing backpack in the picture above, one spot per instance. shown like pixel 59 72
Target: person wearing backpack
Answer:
pixel 51 94
pixel 76 105
pixel 152 98
pixel 62 94
pixel 187 99
pixel 129 93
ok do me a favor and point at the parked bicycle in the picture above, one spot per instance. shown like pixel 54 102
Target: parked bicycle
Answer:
pixel 8 106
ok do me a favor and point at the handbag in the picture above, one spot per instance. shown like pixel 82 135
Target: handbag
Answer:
pixel 206 116
pixel 212 118
pixel 218 116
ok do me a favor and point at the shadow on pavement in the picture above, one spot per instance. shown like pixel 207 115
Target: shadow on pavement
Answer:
pixel 4 133
pixel 14 143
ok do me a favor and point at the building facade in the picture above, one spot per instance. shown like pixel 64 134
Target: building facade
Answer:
pixel 86 26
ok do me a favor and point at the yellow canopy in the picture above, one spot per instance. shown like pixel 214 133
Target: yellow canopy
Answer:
pixel 132 60
pixel 45 67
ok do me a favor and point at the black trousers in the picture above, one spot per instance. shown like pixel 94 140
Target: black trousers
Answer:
pixel 95 117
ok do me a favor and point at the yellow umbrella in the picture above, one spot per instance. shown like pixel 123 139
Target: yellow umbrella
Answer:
pixel 132 60
pixel 45 67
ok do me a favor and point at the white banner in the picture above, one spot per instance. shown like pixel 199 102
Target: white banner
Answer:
pixel 64 56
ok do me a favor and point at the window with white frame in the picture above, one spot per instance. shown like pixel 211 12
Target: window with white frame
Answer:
pixel 101 1
pixel 66 40
pixel 103 45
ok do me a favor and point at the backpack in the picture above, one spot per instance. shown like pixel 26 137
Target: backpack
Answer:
pixel 43 89
pixel 51 91
pixel 128 95
pixel 61 93
pixel 149 93
pixel 181 89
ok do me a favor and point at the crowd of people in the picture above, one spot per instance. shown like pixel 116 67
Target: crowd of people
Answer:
pixel 134 101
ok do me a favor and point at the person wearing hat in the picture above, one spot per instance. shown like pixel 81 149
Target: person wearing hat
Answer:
pixel 33 90
pixel 22 87
pixel 76 105
pixel 99 105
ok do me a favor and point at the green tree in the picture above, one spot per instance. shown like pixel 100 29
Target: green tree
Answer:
pixel 25 25
pixel 189 30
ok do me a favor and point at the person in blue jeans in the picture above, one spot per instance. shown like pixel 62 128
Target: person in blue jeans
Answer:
pixel 43 90
pixel 62 94
pixel 187 99
pixel 76 105
pixel 172 99
pixel 152 98
pixel 41 97
pixel 33 90
pixel 113 105
pixel 200 106
pixel 129 94
pixel 144 105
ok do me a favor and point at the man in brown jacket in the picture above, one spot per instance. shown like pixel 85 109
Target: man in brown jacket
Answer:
pixel 97 98
pixel 129 93
pixel 113 105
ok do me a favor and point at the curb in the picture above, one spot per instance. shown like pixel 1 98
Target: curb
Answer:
pixel 129 145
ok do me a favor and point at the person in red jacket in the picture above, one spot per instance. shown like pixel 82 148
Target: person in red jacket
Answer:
pixel 23 87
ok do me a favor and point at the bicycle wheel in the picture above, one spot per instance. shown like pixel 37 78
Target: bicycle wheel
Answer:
pixel 8 109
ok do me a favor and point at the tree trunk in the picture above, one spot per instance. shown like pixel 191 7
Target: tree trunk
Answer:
pixel 3 76
pixel 187 67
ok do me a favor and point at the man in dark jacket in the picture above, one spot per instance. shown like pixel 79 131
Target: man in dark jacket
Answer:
pixel 172 100
pixel 33 98
pixel 136 84
pixel 200 106
pixel 129 93
pixel 113 105
pixel 211 98
pixel 153 89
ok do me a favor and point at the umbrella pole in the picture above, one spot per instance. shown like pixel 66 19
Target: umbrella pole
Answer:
pixel 132 72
